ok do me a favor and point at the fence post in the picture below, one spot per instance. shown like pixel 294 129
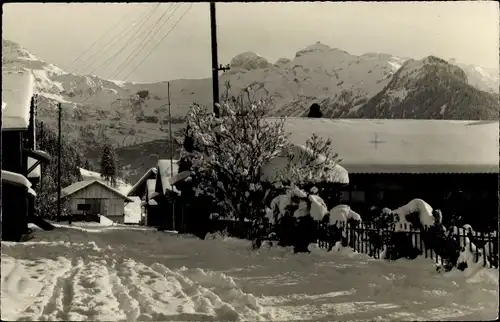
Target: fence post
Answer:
pixel 490 251
pixel 356 234
pixel 483 240
pixel 424 231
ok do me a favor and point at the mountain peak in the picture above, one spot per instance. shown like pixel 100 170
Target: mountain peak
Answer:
pixel 431 65
pixel 249 61
pixel 13 49
pixel 318 47
pixel 431 88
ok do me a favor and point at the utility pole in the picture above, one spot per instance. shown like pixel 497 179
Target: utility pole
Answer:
pixel 171 149
pixel 170 130
pixel 41 146
pixel 215 60
pixel 59 166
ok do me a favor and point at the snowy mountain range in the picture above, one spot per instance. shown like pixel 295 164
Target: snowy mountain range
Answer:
pixel 373 85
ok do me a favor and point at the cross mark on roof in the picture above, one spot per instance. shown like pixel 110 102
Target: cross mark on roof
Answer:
pixel 376 141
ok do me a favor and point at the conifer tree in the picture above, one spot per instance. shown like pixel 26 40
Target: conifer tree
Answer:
pixel 108 164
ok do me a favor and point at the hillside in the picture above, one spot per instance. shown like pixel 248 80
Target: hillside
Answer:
pixel 431 88
pixel 345 85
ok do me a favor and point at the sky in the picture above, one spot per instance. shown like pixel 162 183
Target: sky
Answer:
pixel 59 33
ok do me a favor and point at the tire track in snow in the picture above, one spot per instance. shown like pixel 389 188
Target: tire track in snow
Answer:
pixel 48 292
pixel 159 298
pixel 218 294
pixel 127 304
pixel 92 297
pixel 58 305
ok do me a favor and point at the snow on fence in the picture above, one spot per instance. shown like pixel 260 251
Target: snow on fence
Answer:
pixel 366 238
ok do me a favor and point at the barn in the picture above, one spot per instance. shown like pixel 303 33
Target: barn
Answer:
pixel 20 160
pixel 85 200
pixel 453 165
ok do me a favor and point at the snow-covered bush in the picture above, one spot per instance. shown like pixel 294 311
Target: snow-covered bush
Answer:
pixel 229 152
pixel 296 215
pixel 225 155
pixel 310 165
pixel 408 228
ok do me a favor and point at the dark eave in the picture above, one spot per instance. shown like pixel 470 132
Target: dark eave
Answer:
pixel 39 155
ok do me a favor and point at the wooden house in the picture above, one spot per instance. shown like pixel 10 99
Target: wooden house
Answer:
pixel 144 188
pixel 20 159
pixel 100 199
pixel 453 165
pixel 167 196
pixel 159 196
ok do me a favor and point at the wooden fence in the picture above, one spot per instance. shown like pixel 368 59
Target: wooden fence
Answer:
pixel 368 239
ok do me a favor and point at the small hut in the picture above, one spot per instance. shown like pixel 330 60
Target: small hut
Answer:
pixel 92 198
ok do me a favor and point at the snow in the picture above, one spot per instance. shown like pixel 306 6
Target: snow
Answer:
pixel 249 61
pixel 442 109
pixel 164 169
pixel 394 66
pixel 340 214
pixel 105 221
pixel 415 205
pixel 145 275
pixel 122 186
pixel 32 192
pixel 408 146
pixel 133 212
pixel 318 207
pixel 118 82
pixel 15 178
pixel 17 91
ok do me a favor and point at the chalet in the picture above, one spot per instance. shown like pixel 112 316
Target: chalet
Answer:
pixel 453 165
pixel 20 160
pixel 92 198
pixel 159 196
pixel 144 188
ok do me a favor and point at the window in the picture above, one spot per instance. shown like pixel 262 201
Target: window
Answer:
pixel 95 206
pixel 344 196
pixel 358 196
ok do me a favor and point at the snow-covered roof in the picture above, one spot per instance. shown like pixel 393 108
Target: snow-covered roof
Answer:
pixel 18 179
pixel 17 91
pixel 77 186
pixel 405 146
pixel 164 169
pixel 149 174
pixel 151 186
pixel 15 178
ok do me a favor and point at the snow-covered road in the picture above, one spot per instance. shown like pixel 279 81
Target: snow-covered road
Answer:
pixel 132 275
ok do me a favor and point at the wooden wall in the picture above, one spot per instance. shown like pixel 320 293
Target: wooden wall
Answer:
pixel 113 204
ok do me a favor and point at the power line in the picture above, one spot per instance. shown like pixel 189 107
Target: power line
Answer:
pixel 142 18
pixel 70 73
pixel 110 59
pixel 101 38
pixel 140 47
pixel 105 47
pixel 158 44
